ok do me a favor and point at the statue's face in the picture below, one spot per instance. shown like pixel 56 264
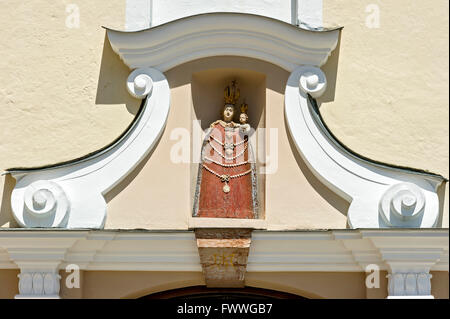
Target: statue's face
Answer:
pixel 243 118
pixel 228 113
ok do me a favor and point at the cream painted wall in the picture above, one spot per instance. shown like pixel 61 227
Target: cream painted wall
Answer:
pixel 392 98
pixel 62 94
pixel 58 100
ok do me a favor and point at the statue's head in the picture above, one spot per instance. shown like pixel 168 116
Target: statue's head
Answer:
pixel 243 118
pixel 231 97
pixel 228 112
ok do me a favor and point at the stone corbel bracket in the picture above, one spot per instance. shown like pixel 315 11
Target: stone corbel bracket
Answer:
pixel 223 255
pixel 379 195
pixel 71 195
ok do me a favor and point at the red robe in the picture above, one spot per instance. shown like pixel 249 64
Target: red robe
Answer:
pixel 210 199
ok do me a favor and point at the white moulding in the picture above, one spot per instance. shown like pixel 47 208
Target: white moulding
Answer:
pixel 42 254
pixel 343 250
pixel 72 196
pixel 380 196
pixel 218 34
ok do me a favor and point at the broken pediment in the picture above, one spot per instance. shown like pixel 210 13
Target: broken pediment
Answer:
pixel 164 60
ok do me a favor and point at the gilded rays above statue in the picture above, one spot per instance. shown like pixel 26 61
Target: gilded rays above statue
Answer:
pixel 226 183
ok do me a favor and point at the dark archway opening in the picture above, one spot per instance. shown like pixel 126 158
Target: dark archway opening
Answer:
pixel 215 294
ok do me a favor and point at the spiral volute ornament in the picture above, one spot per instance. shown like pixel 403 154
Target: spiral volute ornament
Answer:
pixel 402 205
pixel 45 204
pixel 312 81
pixel 139 83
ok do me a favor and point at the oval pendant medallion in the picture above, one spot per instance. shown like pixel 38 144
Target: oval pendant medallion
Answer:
pixel 226 188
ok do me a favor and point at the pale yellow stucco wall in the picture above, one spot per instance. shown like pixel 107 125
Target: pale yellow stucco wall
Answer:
pixel 62 92
pixel 392 100
pixel 57 100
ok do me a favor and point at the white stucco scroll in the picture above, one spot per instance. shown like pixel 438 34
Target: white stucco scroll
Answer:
pixel 380 196
pixel 71 195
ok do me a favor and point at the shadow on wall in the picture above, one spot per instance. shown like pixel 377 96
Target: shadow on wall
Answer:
pixel 330 69
pixel 441 195
pixel 184 72
pixel 6 215
pixel 111 87
pixel 208 94
pixel 331 197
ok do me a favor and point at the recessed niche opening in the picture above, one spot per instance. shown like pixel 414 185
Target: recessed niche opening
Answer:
pixel 207 89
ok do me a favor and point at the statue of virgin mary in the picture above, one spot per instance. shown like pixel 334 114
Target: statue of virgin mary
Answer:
pixel 226 183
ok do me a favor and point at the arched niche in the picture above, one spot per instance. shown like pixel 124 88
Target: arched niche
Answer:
pixel 207 88
pixel 199 85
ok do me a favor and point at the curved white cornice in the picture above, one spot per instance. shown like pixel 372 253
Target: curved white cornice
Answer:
pixel 380 196
pixel 71 195
pixel 217 34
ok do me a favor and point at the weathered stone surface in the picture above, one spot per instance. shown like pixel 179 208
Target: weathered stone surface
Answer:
pixel 223 255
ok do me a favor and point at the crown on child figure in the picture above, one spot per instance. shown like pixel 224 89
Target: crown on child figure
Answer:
pixel 244 107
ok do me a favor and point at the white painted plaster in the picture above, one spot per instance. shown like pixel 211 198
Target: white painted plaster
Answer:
pixel 141 14
pixel 165 11
pixel 223 34
pixel 138 14
pixel 310 14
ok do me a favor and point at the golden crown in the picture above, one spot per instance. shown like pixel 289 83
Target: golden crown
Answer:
pixel 244 107
pixel 232 94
